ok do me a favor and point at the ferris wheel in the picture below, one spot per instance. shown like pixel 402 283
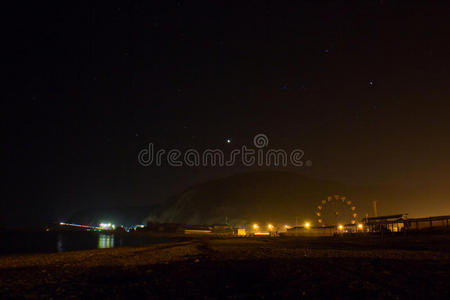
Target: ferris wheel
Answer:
pixel 336 210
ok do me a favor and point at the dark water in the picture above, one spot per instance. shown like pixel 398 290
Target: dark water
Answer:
pixel 48 242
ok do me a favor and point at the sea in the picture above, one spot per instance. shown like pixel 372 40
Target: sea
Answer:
pixel 21 242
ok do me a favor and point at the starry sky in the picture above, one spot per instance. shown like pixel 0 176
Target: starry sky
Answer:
pixel 362 87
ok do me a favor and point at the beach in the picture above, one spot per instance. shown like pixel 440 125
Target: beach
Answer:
pixel 393 267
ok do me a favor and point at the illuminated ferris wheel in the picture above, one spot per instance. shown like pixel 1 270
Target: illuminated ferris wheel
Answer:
pixel 336 210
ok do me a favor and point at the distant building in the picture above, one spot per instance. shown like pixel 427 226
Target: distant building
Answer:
pixel 401 223
pixel 241 232
pixel 430 223
pixel 197 229
pixel 391 223
pixel 221 228
pixel 310 231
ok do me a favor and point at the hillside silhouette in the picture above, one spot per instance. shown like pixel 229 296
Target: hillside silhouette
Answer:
pixel 267 196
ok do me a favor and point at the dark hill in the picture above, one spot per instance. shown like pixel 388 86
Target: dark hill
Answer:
pixel 249 197
pixel 268 196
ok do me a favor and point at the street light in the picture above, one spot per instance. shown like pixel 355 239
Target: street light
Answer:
pixel 307 225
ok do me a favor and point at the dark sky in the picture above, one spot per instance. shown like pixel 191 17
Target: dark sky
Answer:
pixel 361 86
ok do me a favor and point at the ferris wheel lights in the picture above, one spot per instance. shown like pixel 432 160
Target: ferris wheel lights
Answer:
pixel 336 209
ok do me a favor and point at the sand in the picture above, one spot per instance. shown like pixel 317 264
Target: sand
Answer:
pixel 397 267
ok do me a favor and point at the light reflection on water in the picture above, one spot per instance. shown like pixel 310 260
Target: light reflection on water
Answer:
pixel 105 241
pixel 82 241
pixel 47 242
pixel 59 244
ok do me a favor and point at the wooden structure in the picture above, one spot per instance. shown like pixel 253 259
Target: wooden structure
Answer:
pixel 390 223
pixel 430 223
pixel 401 223
pixel 310 231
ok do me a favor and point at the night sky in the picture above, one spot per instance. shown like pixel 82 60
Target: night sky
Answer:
pixel 361 86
